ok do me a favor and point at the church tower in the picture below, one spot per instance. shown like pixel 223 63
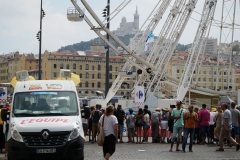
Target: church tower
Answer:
pixel 136 19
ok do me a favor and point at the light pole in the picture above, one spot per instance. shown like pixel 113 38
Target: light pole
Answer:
pixel 107 10
pixel 39 37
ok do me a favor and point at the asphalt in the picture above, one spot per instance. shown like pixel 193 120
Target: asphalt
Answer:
pixel 155 151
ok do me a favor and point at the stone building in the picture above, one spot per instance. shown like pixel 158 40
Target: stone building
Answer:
pixel 128 27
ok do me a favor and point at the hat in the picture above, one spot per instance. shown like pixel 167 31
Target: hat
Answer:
pixel 130 109
pixel 165 109
pixel 157 109
pixel 214 109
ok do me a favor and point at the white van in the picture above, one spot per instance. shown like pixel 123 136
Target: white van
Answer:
pixel 45 121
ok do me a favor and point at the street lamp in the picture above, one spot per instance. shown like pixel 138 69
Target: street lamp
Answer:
pixel 106 13
pixel 39 37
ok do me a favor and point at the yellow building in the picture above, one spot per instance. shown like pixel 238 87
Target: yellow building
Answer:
pixel 4 71
pixel 90 68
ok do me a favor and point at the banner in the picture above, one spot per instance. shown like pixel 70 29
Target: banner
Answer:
pixel 139 96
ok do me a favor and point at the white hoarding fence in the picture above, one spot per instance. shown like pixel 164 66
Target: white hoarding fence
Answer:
pixel 139 96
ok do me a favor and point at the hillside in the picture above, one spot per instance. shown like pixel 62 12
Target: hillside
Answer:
pixel 85 45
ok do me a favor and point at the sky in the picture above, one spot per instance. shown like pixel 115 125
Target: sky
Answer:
pixel 20 22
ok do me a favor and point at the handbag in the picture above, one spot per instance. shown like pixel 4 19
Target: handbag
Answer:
pixel 101 137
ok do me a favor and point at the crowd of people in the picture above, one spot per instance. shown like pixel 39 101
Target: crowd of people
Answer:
pixel 218 126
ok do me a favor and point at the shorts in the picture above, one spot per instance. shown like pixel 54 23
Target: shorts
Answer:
pixel 205 130
pixel 120 128
pixel 146 126
pixel 130 130
pixel 164 124
pixel 109 145
pixel 6 134
pixel 235 130
pixel 177 132
pixel 95 128
pixel 85 126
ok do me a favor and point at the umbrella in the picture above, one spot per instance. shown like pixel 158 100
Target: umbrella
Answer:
pixel 74 77
pixel 14 80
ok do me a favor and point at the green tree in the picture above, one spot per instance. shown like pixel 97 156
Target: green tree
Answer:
pixel 236 48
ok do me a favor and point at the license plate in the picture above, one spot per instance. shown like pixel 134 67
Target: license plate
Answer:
pixel 53 150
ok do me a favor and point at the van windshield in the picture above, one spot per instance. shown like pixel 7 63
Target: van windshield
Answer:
pixel 45 103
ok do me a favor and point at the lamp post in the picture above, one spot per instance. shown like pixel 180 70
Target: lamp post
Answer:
pixel 39 37
pixel 106 14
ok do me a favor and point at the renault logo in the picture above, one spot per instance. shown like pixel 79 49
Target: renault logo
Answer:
pixel 45 135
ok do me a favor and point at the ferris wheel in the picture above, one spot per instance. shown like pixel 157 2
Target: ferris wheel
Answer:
pixel 153 69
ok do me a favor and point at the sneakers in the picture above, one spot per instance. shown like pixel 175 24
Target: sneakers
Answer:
pixel 190 150
pixel 220 149
pixel 183 151
pixel 237 147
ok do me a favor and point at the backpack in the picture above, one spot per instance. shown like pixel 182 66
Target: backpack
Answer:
pixel 165 116
pixel 130 121
pixel 139 121
pixel 119 115
pixel 96 116
pixel 3 114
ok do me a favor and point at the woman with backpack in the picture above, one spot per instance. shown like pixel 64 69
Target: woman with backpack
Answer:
pixel 146 125
pixel 130 125
pixel 164 123
pixel 139 124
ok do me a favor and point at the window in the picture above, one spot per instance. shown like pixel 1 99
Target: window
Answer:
pixel 87 67
pixel 99 67
pixel 86 84
pixel 61 66
pixel 116 69
pixel 199 79
pixel 110 76
pixel 92 84
pixel 99 85
pixel 210 79
pixel 110 68
pixel 92 76
pixel 93 68
pixel 178 71
pixel 55 66
pixel 122 93
pixel 220 73
pixel 194 79
pixel 80 75
pixel 225 80
pixel 80 84
pixel 99 75
pixel 219 79
pixel 194 72
pixel 204 72
pixel 204 79
pixel 30 68
pixel 55 74
pixel 80 67
pixel 110 84
pixel 214 72
pixel 74 65
pixel 215 79
pixel 224 73
pixel 68 66
pixel 87 75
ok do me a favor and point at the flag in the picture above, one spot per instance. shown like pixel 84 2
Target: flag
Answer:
pixel 150 39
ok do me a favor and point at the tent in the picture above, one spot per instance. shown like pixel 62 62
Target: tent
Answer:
pixel 226 100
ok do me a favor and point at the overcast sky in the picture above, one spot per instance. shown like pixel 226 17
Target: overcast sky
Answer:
pixel 20 22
